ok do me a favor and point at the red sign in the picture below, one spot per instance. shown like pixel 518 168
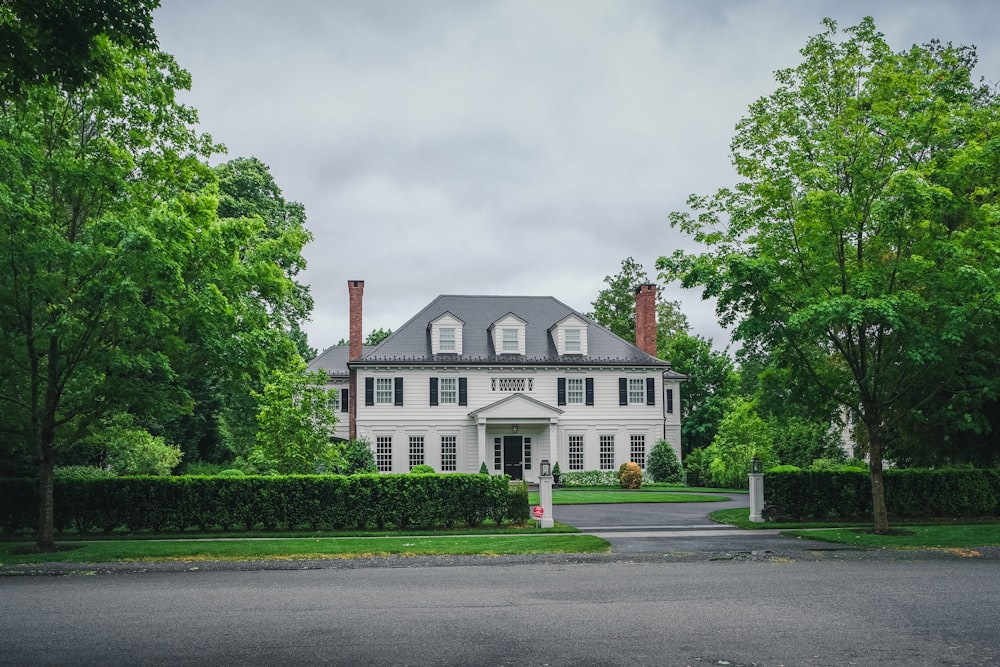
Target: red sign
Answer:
pixel 538 512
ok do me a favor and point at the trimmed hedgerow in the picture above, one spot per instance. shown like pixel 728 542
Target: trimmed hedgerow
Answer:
pixel 911 493
pixel 293 502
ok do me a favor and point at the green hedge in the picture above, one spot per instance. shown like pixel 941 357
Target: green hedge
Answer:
pixel 294 502
pixel 910 493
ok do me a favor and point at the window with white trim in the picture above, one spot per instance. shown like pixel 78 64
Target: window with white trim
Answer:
pixel 511 343
pixel 574 391
pixel 576 452
pixel 607 452
pixel 446 339
pixel 571 341
pixel 416 450
pixel 383 453
pixel 527 453
pixel 448 391
pixel 449 453
pixel 637 449
pixel 636 390
pixel 383 391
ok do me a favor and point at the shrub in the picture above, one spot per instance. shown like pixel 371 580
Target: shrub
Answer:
pixel 231 472
pixel 630 475
pixel 82 472
pixel 663 465
pixel 358 458
pixel 555 470
pixel 483 470
pixel 422 469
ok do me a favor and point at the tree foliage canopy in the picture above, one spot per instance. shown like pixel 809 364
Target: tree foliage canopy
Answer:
pixel 862 249
pixel 65 42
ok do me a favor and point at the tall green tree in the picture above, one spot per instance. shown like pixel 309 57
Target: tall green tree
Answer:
pixel 106 205
pixel 861 250
pixel 64 42
pixel 712 382
pixel 711 376
pixel 297 419
pixel 259 240
pixel 614 306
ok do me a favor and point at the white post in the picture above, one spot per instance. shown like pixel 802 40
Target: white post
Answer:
pixel 545 500
pixel 756 497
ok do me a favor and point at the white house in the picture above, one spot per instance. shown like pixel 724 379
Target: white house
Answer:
pixel 506 381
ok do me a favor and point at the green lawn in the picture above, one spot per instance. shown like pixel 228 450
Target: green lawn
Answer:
pixel 907 534
pixel 910 537
pixel 306 548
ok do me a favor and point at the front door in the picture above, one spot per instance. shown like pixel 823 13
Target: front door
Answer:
pixel 513 462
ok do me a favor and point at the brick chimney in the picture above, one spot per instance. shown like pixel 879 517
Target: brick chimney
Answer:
pixel 645 318
pixel 355 291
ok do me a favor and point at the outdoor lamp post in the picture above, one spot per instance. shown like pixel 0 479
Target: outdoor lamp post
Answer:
pixel 755 465
pixel 545 493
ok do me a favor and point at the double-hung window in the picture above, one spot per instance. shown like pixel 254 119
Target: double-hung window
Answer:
pixel 574 391
pixel 571 341
pixel 448 391
pixel 636 390
pixel 510 341
pixel 383 391
pixel 446 340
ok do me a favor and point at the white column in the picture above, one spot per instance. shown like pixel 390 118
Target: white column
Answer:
pixel 481 435
pixel 545 500
pixel 756 496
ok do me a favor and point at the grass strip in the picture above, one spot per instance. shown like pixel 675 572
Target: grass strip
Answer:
pixel 306 548
pixel 909 537
pixel 909 534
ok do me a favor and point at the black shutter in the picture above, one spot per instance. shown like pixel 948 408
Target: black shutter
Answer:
pixel 369 391
pixel 434 391
pixel 622 391
pixel 561 391
pixel 463 391
pixel 345 399
pixel 670 401
pixel 399 391
pixel 590 390
pixel 650 391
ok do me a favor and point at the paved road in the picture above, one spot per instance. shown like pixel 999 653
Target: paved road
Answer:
pixel 514 612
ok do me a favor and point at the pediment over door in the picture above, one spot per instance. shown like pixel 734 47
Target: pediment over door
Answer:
pixel 517 407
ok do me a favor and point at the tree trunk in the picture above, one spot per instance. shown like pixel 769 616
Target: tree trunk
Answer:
pixel 46 514
pixel 880 510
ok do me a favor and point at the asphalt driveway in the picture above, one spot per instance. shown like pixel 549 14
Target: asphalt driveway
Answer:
pixel 674 528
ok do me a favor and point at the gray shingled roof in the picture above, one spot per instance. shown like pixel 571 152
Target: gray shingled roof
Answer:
pixel 333 359
pixel 411 342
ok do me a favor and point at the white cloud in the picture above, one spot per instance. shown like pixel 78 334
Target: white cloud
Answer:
pixel 507 147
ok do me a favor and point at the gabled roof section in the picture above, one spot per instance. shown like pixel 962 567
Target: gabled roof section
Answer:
pixel 411 344
pixel 516 406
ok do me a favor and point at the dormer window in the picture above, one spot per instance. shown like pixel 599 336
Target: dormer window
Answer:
pixel 510 341
pixel 446 339
pixel 570 335
pixel 508 334
pixel 446 334
pixel 572 341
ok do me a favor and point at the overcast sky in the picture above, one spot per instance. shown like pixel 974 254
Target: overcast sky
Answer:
pixel 512 147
